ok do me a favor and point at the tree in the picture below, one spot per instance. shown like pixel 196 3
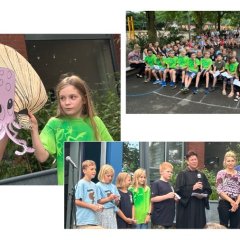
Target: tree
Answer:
pixel 152 33
pixel 130 157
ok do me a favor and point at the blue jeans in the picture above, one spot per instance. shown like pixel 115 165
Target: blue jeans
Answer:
pixel 142 226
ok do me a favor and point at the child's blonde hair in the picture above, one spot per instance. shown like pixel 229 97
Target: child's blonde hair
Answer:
pixel 83 89
pixel 87 163
pixel 121 179
pixel 165 165
pixel 105 169
pixel 136 175
pixel 229 154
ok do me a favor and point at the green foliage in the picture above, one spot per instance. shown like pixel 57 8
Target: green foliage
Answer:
pixel 130 158
pixel 211 176
pixel 107 103
pixel 141 39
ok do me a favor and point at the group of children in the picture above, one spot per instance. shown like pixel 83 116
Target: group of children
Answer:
pixel 194 66
pixel 128 204
pixel 203 59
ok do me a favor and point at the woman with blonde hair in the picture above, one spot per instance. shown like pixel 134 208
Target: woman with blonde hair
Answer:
pixel 141 195
pixel 228 189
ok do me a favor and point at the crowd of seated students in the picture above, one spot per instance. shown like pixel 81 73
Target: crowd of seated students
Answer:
pixel 208 58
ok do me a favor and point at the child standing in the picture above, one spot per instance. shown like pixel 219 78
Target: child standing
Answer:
pixel 126 204
pixel 163 198
pixel 86 198
pixel 109 197
pixel 76 120
pixel 141 195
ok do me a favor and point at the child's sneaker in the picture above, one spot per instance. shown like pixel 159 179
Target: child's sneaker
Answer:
pixel 174 86
pixel 212 89
pixel 236 99
pixel 156 81
pixel 206 91
pixel 171 84
pixel 185 90
pixel 195 90
pixel 164 84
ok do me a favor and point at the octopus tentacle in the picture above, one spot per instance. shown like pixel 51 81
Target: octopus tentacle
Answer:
pixel 2 132
pixel 19 142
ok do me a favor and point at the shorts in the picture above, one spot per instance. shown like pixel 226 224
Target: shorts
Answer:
pixel 228 80
pixel 191 74
pixel 158 68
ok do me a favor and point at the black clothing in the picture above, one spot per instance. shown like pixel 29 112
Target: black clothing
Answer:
pixel 190 209
pixel 225 215
pixel 162 212
pixel 125 204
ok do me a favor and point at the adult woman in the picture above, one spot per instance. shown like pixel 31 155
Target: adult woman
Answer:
pixel 134 59
pixel 228 188
pixel 194 189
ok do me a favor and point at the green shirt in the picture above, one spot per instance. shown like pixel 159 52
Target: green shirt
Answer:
pixel 232 67
pixel 183 61
pixel 206 63
pixel 193 65
pixel 160 62
pixel 172 62
pixel 150 60
pixel 59 130
pixel 141 198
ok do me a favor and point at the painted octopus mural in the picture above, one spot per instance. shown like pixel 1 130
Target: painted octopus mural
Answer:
pixel 21 90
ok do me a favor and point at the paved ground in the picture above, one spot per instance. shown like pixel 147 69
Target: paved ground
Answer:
pixel 149 98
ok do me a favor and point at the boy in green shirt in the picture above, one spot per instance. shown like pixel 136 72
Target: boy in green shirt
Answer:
pixel 149 60
pixel 192 71
pixel 231 67
pixel 159 67
pixel 182 65
pixel 206 64
pixel 171 62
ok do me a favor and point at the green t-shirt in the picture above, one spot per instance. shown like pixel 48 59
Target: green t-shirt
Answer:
pixel 59 130
pixel 172 62
pixel 160 62
pixel 150 60
pixel 193 67
pixel 141 198
pixel 232 67
pixel 183 61
pixel 206 63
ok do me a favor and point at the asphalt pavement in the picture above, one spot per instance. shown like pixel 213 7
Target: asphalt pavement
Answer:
pixel 144 98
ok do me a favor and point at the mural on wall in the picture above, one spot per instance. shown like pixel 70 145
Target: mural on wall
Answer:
pixel 21 90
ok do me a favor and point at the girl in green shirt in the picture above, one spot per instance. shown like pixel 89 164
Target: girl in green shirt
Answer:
pixel 142 202
pixel 76 120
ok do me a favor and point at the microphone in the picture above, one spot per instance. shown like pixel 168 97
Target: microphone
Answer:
pixel 199 177
pixel 68 158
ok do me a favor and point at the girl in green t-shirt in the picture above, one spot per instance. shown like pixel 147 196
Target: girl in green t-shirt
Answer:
pixel 142 202
pixel 76 120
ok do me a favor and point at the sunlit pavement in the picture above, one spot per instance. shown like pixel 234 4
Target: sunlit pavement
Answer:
pixel 149 98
